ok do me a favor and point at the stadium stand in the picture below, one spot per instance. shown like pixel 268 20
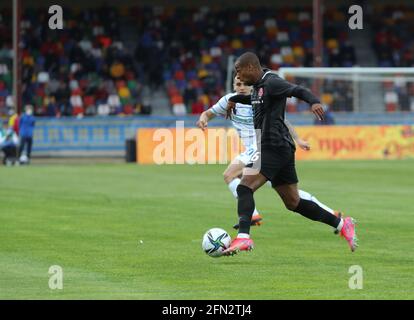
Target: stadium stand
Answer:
pixel 82 71
pixel 394 47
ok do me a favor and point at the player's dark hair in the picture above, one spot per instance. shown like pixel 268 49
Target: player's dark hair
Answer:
pixel 249 58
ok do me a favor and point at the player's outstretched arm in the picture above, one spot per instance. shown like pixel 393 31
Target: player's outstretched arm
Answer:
pixel 205 117
pixel 238 98
pixel 303 144
pixel 307 96
pixel 281 87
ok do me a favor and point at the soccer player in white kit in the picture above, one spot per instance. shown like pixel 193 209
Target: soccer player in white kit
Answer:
pixel 243 122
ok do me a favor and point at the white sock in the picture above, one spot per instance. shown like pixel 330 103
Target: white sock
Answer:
pixel 233 186
pixel 243 236
pixel 340 225
pixel 255 212
pixel 269 183
pixel 307 196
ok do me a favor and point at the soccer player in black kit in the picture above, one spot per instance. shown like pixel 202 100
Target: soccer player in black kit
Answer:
pixel 275 159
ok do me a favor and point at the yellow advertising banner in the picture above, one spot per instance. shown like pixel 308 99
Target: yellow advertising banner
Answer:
pixel 221 145
pixel 357 142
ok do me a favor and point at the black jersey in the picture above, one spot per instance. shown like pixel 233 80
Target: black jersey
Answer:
pixel 268 100
pixel 269 103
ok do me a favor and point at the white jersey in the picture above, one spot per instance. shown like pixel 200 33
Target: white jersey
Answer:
pixel 242 120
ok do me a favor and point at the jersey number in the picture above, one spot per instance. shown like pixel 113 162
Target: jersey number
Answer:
pixel 255 157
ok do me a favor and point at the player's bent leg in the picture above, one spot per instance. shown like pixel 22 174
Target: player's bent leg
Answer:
pixel 307 196
pixel 307 208
pixel 346 227
pixel 230 175
pixel 314 211
pixel 248 185
pixel 289 195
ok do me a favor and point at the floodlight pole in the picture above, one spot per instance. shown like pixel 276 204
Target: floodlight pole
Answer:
pixel 230 68
pixel 17 81
pixel 317 33
pixel 317 40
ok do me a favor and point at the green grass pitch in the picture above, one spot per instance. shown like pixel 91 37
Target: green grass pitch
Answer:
pixel 134 232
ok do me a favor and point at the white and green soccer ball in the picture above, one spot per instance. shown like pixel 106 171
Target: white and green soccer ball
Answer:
pixel 215 241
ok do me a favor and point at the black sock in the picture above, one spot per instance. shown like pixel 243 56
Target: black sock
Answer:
pixel 245 207
pixel 313 211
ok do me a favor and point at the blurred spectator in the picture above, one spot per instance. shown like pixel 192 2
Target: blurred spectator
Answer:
pixel 117 70
pixel 114 103
pixel 391 101
pixel 190 94
pixel 62 96
pixel 51 107
pixel 103 109
pixel 291 104
pixel 197 107
pixel 27 124
pixel 14 121
pixel 90 107
pixel 76 102
pixel 8 144
pixel 146 107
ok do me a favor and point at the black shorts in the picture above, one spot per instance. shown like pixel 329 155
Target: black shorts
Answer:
pixel 277 165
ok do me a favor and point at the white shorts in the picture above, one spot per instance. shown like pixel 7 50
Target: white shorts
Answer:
pixel 246 155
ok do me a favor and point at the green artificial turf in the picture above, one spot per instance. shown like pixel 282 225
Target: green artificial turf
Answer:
pixel 134 232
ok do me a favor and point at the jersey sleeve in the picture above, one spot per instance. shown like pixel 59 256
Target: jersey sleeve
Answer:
pixel 220 108
pixel 241 98
pixel 305 95
pixel 280 87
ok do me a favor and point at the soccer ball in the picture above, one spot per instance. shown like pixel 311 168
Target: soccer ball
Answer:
pixel 215 241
